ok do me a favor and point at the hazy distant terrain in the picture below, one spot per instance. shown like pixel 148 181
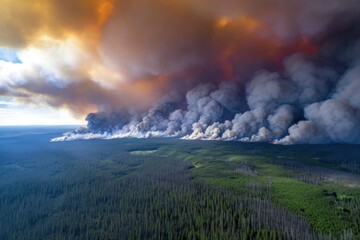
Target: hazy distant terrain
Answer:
pixel 165 188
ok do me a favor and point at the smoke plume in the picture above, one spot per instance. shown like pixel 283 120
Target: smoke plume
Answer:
pixel 279 71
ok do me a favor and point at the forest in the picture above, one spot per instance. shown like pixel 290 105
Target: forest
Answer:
pixel 174 189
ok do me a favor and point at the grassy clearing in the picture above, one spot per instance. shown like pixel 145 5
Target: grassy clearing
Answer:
pixel 143 153
pixel 99 190
pixel 216 190
pixel 330 207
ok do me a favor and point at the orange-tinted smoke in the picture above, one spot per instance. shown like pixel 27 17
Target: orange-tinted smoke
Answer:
pixel 23 21
pixel 148 47
pixel 240 45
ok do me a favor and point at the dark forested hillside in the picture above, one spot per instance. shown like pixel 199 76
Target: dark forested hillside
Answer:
pixel 161 189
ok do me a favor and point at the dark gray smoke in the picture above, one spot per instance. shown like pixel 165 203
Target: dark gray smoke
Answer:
pixel 303 104
pixel 307 98
pixel 333 120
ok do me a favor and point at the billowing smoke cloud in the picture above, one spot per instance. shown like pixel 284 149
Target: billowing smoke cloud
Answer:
pixel 333 120
pixel 281 71
pixel 304 103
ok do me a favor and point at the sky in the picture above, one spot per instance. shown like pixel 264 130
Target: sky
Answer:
pixel 15 114
pixel 262 70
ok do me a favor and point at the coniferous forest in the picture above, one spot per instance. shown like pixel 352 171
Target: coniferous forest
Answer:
pixel 174 189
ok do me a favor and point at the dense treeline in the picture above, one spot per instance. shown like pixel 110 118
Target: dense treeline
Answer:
pixel 159 201
pixel 302 180
pixel 99 190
